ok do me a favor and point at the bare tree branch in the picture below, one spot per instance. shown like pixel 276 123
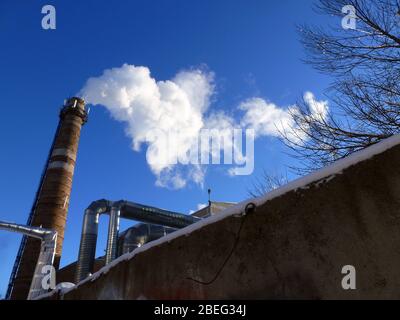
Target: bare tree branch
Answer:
pixel 365 96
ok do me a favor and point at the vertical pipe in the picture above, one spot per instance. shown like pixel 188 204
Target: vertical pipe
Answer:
pixel 87 248
pixel 113 229
pixel 45 260
pixel 48 240
pixel 117 209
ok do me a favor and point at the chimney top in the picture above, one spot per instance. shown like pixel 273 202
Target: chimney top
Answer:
pixel 74 105
pixel 75 102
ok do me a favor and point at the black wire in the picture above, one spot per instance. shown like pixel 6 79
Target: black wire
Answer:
pixel 237 238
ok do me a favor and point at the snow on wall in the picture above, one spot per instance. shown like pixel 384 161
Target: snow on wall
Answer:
pixel 320 176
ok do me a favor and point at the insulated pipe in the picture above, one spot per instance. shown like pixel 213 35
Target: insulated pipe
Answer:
pixel 148 214
pixel 87 248
pixel 143 213
pixel 46 256
pixel 46 260
pixel 113 229
pixel 123 209
pixel 139 234
pixel 34 232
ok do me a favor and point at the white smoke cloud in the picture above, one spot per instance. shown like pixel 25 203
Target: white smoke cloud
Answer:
pixel 267 119
pixel 148 106
pixel 179 107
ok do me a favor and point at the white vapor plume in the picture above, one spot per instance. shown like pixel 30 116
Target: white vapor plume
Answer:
pixel 148 106
pixel 179 107
pixel 267 119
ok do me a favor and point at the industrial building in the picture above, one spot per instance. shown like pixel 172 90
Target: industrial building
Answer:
pixel 50 209
pixel 292 243
pixel 288 244
pixel 127 241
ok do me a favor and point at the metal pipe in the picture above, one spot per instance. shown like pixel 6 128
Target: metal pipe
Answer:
pixel 87 248
pixel 113 229
pixel 139 234
pixel 46 256
pixel 34 232
pixel 119 209
pixel 148 214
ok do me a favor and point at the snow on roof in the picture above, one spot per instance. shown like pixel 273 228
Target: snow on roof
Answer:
pixel 323 175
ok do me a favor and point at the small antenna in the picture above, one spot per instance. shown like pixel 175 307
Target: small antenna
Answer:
pixel 209 201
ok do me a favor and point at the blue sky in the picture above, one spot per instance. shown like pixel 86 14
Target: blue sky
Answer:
pixel 252 48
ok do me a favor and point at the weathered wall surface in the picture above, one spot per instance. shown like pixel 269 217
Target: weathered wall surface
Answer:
pixel 293 246
pixel 67 273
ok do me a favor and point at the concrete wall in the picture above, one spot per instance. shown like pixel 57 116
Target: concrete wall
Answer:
pixel 293 246
pixel 67 273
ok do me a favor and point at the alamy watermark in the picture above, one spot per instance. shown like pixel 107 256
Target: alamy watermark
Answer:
pixel 49 277
pixel 349 21
pixel 207 149
pixel 349 280
pixel 49 20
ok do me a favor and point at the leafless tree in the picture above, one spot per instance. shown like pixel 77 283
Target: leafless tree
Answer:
pixel 268 182
pixel 365 95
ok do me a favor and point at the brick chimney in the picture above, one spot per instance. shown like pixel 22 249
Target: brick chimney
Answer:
pixel 51 206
